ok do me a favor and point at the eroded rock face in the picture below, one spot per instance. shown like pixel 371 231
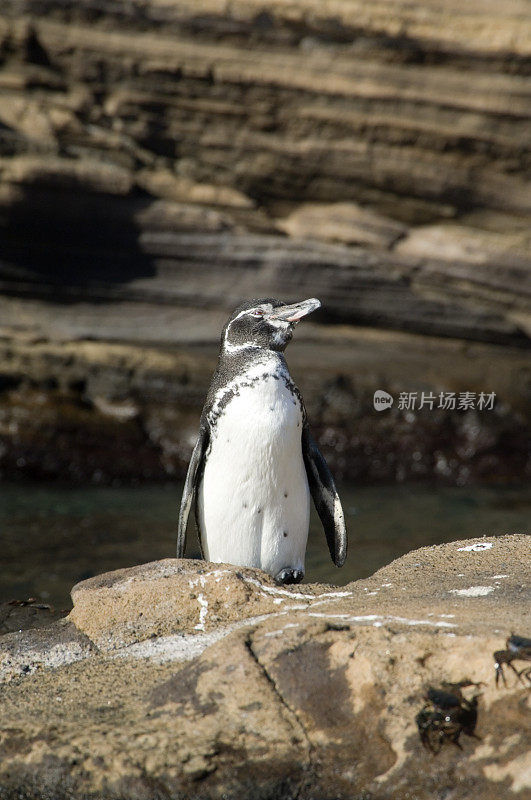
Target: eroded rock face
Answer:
pixel 162 161
pixel 207 681
pixel 131 605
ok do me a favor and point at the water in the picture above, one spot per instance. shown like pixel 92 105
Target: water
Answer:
pixel 51 537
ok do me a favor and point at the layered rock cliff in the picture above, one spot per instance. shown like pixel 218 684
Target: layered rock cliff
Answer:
pixel 159 161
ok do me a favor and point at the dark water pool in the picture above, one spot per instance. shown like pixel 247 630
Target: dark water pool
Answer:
pixel 51 537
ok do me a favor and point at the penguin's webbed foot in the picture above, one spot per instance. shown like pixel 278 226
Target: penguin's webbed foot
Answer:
pixel 288 575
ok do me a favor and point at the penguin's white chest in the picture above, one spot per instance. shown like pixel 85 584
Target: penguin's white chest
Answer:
pixel 254 501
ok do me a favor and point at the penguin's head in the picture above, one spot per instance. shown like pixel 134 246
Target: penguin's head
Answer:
pixel 267 324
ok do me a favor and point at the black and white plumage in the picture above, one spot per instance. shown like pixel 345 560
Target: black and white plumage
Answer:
pixel 255 462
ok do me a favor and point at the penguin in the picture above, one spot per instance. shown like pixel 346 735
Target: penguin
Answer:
pixel 255 463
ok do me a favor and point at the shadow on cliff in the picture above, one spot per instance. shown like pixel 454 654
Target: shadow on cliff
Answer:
pixel 71 245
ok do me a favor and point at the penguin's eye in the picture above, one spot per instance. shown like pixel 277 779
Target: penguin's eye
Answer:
pixel 257 313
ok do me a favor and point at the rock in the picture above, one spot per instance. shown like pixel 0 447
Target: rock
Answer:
pixel 107 608
pixel 18 615
pixel 160 162
pixel 262 120
pixel 342 222
pixel 24 652
pixel 462 243
pixel 287 692
pixel 163 183
pixel 489 266
pixel 67 173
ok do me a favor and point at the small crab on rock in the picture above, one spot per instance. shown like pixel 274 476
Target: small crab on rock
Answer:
pixel 518 649
pixel 446 714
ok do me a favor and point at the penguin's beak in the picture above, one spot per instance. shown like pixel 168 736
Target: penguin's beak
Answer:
pixel 296 311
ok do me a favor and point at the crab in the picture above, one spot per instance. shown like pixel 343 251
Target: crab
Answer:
pixel 446 714
pixel 518 649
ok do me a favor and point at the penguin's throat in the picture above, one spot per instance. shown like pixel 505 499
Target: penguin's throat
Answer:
pixel 261 383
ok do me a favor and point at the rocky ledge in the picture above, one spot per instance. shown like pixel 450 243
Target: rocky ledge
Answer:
pixel 183 679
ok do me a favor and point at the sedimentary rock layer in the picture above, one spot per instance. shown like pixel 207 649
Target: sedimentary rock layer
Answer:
pixel 126 125
pixel 182 679
pixel 161 161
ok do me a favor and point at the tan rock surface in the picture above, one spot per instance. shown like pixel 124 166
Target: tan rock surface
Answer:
pixel 248 116
pixel 287 692
pixel 342 222
pixel 171 596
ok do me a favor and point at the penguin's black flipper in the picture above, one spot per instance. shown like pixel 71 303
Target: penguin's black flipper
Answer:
pixel 325 497
pixel 195 469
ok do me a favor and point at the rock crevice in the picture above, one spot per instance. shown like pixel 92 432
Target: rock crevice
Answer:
pixel 309 767
pixel 292 692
